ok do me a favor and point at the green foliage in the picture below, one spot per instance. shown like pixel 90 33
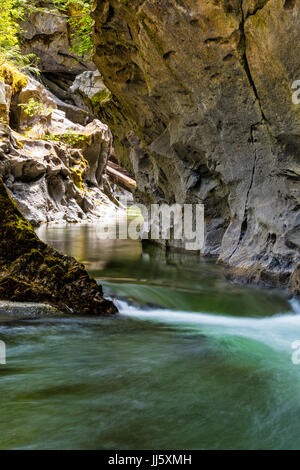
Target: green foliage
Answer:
pixel 72 139
pixel 9 27
pixel 101 98
pixel 80 23
pixel 33 107
pixel 12 12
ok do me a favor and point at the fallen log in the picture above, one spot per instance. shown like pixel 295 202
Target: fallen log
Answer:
pixel 113 163
pixel 117 176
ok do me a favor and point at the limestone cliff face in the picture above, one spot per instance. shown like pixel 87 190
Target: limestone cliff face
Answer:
pixel 46 34
pixel 54 168
pixel 202 111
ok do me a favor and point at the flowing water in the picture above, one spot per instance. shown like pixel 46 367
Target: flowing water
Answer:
pixel 190 362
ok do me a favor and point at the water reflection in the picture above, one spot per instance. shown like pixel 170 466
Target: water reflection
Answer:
pixel 152 276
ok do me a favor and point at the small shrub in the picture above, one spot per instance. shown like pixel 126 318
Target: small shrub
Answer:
pixel 72 139
pixel 33 108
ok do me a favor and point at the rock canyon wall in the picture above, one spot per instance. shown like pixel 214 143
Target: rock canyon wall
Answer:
pixel 202 111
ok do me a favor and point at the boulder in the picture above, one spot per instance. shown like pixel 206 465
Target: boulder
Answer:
pixel 74 113
pixel 32 271
pixel 45 33
pixel 91 88
pixel 295 280
pixel 32 106
pixel 94 141
pixel 96 148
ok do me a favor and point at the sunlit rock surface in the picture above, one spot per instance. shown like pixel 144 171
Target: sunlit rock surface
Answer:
pixel 49 179
pixel 53 167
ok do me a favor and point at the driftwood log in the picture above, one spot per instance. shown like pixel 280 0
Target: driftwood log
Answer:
pixel 119 176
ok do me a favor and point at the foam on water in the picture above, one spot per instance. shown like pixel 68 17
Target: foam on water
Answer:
pixel 295 304
pixel 277 332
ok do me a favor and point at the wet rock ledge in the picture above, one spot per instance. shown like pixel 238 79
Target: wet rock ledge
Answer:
pixel 31 271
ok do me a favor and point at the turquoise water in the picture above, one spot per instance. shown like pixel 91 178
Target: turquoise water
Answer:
pixel 190 362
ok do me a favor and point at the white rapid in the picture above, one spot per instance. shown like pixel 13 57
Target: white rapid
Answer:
pixel 278 332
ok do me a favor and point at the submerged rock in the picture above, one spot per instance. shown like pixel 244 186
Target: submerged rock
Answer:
pixel 32 271
pixel 26 310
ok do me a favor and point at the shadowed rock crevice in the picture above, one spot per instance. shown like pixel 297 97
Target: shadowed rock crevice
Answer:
pixel 244 225
pixel 289 4
pixel 244 60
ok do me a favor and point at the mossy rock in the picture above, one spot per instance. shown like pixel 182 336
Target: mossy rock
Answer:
pixel 32 271
pixel 12 76
pixel 100 99
pixel 72 139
